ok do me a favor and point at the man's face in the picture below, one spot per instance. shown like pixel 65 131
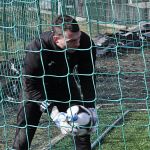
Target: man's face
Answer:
pixel 68 40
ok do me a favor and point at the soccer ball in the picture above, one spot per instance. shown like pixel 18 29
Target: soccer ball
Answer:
pixel 80 119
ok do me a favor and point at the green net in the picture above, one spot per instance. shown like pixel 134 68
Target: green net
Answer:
pixel 122 68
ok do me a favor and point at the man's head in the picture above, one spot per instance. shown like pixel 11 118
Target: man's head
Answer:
pixel 66 32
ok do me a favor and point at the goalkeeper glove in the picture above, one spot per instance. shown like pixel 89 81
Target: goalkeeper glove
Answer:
pixel 60 119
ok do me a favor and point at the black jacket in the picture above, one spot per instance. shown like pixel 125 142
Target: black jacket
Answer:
pixel 50 72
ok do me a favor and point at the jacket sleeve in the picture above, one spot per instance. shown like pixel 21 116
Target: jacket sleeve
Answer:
pixel 86 75
pixel 32 72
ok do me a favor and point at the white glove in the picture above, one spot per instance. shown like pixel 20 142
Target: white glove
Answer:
pixel 94 119
pixel 60 119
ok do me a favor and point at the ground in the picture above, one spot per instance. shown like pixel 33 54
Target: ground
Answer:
pixel 122 83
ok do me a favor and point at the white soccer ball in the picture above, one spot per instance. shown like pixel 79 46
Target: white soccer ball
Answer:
pixel 80 119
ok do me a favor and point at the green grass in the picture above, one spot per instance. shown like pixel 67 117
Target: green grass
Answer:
pixel 131 134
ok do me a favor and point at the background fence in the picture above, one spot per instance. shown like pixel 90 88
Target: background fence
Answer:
pixel 122 77
pixel 116 11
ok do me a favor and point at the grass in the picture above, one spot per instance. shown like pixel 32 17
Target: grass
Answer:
pixel 133 134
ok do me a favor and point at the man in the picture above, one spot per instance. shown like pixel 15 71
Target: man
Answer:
pixel 49 74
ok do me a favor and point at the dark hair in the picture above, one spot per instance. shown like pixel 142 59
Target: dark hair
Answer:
pixel 64 22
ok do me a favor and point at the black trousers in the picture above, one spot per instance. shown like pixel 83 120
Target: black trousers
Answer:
pixel 29 116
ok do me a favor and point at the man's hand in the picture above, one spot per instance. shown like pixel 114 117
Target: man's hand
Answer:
pixel 60 119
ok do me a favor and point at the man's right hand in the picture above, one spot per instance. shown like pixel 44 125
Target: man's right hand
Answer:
pixel 60 119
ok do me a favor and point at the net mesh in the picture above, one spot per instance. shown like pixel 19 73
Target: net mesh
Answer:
pixel 120 29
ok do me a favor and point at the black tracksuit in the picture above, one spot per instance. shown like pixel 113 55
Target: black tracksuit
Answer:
pixel 49 73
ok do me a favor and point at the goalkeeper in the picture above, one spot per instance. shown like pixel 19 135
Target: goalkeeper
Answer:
pixel 48 74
